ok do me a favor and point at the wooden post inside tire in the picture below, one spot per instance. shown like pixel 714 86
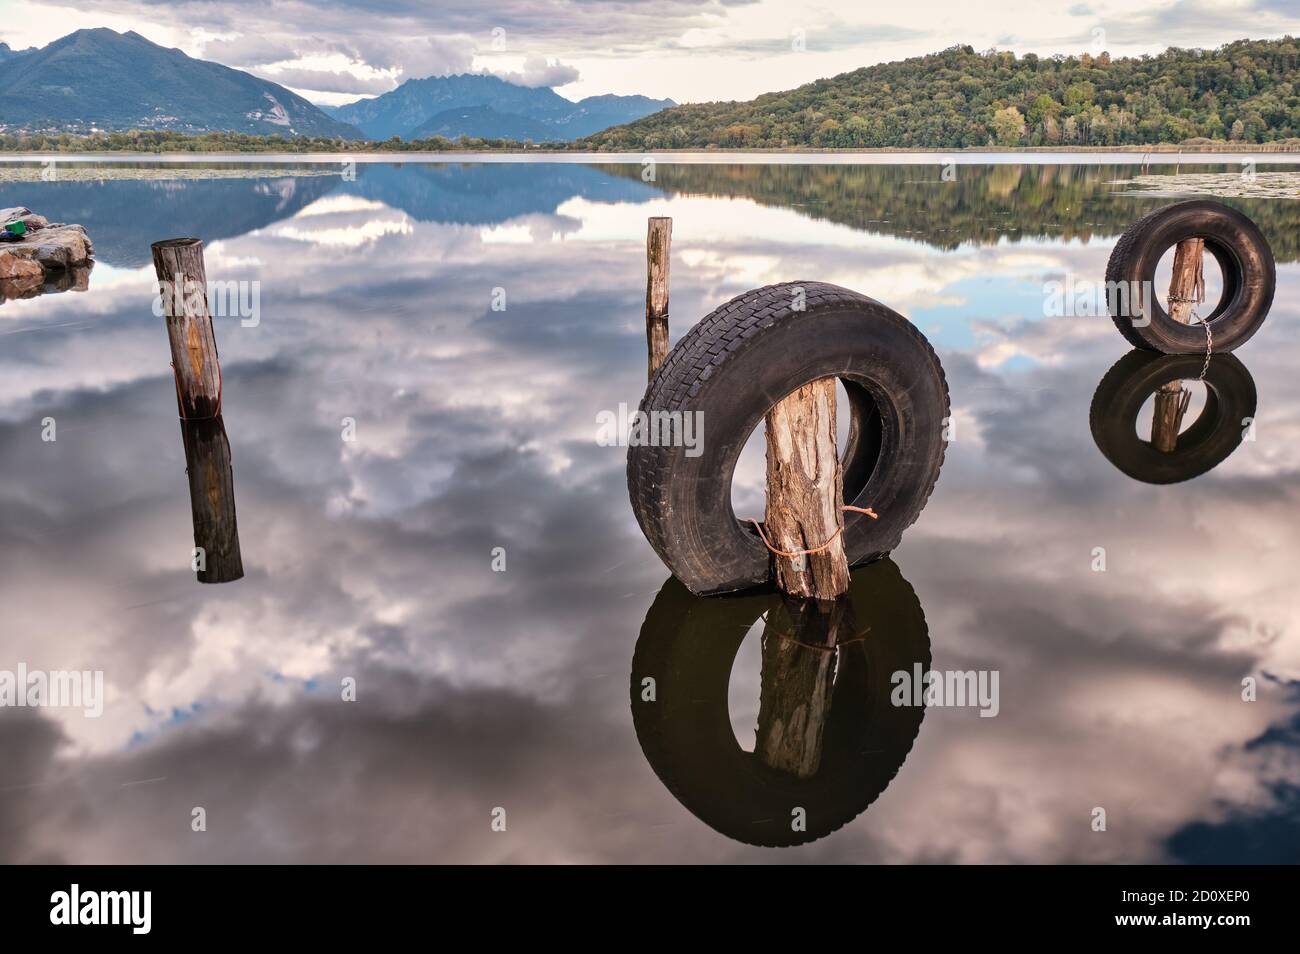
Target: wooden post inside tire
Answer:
pixel 1186 290
pixel 658 247
pixel 183 286
pixel 805 489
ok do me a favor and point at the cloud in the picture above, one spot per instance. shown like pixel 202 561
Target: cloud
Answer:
pixel 526 24
pixel 691 51
pixel 256 50
pixel 360 63
pixel 833 34
pixel 1200 23
pixel 326 81
pixel 541 71
pixel 414 58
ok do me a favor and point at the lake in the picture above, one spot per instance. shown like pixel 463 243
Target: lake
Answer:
pixel 428 520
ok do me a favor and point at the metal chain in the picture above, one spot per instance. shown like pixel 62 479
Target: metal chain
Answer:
pixel 1209 348
pixel 1209 333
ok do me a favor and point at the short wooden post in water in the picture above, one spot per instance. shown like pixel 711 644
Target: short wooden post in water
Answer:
pixel 1186 289
pixel 805 490
pixel 183 286
pixel 212 500
pixel 658 245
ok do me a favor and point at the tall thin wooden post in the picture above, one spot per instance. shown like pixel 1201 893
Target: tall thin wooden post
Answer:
pixel 805 489
pixel 658 245
pixel 183 285
pixel 212 500
pixel 1186 289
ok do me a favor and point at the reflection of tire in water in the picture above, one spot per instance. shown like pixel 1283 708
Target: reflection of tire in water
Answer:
pixel 688 645
pixel 1212 437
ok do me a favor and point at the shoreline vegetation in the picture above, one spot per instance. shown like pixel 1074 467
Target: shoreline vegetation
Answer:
pixel 1244 91
pixel 151 143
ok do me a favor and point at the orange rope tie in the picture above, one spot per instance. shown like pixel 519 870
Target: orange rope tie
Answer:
pixel 782 553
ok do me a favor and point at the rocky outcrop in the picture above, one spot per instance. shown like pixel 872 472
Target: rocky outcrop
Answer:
pixel 49 257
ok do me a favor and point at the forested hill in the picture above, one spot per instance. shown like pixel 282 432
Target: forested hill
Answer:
pixel 1247 91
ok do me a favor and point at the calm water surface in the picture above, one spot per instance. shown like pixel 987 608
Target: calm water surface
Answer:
pixel 476 429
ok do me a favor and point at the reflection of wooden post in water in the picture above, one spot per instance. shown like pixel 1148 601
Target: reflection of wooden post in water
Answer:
pixel 212 499
pixel 183 287
pixel 658 245
pixel 804 491
pixel 799 646
pixel 1186 289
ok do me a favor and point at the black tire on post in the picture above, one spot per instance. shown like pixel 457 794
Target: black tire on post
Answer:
pixel 688 646
pixel 1206 443
pixel 732 368
pixel 1245 261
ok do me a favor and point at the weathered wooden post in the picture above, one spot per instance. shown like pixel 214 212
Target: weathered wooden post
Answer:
pixel 1186 290
pixel 182 283
pixel 1187 283
pixel 658 245
pixel 804 519
pixel 799 648
pixel 212 500
pixel 183 289
pixel 805 490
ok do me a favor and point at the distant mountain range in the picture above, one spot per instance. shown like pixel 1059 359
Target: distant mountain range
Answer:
pixel 7 53
pixel 479 104
pixel 481 121
pixel 108 80
pixel 102 79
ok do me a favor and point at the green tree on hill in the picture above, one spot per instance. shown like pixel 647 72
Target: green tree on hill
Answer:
pixel 1248 91
pixel 1008 126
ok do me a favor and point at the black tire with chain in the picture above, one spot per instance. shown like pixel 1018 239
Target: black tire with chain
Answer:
pixel 1245 261
pixel 732 368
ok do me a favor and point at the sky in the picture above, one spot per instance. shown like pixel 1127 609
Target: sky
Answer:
pixel 690 50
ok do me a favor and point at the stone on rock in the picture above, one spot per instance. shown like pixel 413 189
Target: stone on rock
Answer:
pixel 24 215
pixel 49 256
